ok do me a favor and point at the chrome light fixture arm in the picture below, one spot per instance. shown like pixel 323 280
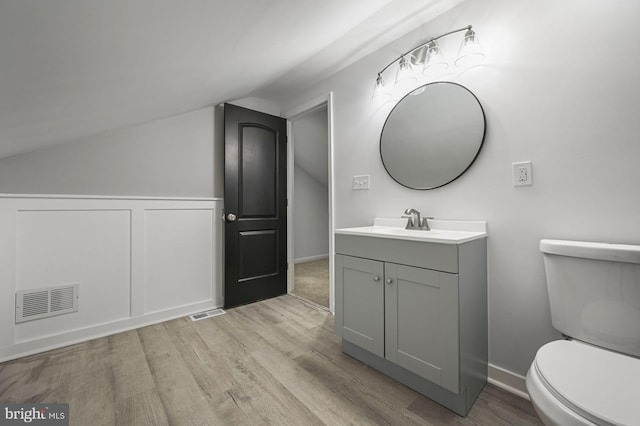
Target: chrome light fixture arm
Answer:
pixel 467 28
pixel 428 56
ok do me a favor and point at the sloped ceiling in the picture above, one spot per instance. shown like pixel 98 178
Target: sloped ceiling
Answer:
pixel 310 147
pixel 73 68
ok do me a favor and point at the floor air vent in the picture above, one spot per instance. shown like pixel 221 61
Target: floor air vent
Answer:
pixel 208 314
pixel 46 302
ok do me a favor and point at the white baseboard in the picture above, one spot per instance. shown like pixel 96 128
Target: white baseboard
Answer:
pixel 508 380
pixel 311 258
pixel 35 346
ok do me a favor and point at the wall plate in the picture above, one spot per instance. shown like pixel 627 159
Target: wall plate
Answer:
pixel 361 182
pixel 522 173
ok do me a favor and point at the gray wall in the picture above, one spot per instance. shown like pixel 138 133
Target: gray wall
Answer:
pixel 559 88
pixel 310 217
pixel 168 157
pixel 310 197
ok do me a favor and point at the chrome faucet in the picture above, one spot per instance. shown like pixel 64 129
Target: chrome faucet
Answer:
pixel 415 222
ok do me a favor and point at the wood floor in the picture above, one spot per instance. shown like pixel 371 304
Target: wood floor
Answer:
pixel 273 362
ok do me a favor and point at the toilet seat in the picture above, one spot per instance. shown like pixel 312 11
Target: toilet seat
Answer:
pixel 588 384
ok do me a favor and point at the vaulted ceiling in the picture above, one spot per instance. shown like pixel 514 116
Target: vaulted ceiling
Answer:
pixel 73 68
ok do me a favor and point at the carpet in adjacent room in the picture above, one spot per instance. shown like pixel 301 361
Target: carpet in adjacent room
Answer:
pixel 312 281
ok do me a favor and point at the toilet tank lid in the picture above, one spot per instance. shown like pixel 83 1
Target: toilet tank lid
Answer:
pixel 626 253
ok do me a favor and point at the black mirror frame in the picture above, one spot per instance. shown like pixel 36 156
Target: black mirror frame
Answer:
pixel 484 133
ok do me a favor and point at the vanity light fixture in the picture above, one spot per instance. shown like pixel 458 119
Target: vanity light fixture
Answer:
pixel 405 71
pixel 380 93
pixel 469 49
pixel 434 59
pixel 427 58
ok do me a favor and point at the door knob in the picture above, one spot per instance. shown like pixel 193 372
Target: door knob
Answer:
pixel 389 281
pixel 376 278
pixel 231 217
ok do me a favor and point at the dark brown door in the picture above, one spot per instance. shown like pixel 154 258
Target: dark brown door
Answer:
pixel 255 205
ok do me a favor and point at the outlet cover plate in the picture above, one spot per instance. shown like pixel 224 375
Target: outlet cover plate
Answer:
pixel 522 173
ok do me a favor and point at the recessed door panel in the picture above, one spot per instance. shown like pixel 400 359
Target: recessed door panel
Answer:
pixel 419 323
pixel 421 327
pixel 258 175
pixel 258 254
pixel 360 296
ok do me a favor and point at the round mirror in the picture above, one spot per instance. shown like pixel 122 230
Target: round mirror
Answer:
pixel 432 136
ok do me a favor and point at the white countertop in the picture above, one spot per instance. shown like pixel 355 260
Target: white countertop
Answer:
pixel 442 231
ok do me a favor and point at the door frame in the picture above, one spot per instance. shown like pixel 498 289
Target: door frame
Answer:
pixel 291 116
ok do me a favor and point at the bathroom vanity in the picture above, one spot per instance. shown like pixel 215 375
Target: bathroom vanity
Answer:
pixel 413 304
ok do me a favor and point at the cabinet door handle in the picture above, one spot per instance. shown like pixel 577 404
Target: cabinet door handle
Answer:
pixel 376 278
pixel 389 281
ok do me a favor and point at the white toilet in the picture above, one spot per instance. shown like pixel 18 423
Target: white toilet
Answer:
pixel 593 378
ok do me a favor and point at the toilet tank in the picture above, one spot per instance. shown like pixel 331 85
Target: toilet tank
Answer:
pixel 594 292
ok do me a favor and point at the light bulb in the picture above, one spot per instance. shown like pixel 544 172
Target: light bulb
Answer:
pixel 381 92
pixel 405 78
pixel 405 71
pixel 435 61
pixel 470 52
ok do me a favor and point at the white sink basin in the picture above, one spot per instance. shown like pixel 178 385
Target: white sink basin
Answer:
pixel 447 232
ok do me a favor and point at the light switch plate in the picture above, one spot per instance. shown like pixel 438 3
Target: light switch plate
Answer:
pixel 361 182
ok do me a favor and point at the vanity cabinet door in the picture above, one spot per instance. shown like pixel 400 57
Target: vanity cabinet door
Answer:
pixel 360 302
pixel 422 323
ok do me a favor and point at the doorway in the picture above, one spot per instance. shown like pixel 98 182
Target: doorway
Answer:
pixel 310 190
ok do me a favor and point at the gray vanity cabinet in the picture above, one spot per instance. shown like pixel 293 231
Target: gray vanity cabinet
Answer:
pixel 421 323
pixel 405 314
pixel 417 312
pixel 362 296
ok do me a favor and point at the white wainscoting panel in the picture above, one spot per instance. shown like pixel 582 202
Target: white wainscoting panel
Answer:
pixel 87 247
pixel 7 270
pixel 137 261
pixel 178 252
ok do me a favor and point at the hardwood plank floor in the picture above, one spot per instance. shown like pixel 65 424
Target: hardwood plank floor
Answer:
pixel 273 362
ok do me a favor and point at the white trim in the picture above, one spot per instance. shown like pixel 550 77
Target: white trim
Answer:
pixel 292 115
pixel 290 179
pixel 106 197
pixel 34 346
pixel 311 258
pixel 307 107
pixel 332 228
pixel 509 381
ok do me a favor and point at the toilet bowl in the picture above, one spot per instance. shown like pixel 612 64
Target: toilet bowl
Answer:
pixel 572 383
pixel 594 377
